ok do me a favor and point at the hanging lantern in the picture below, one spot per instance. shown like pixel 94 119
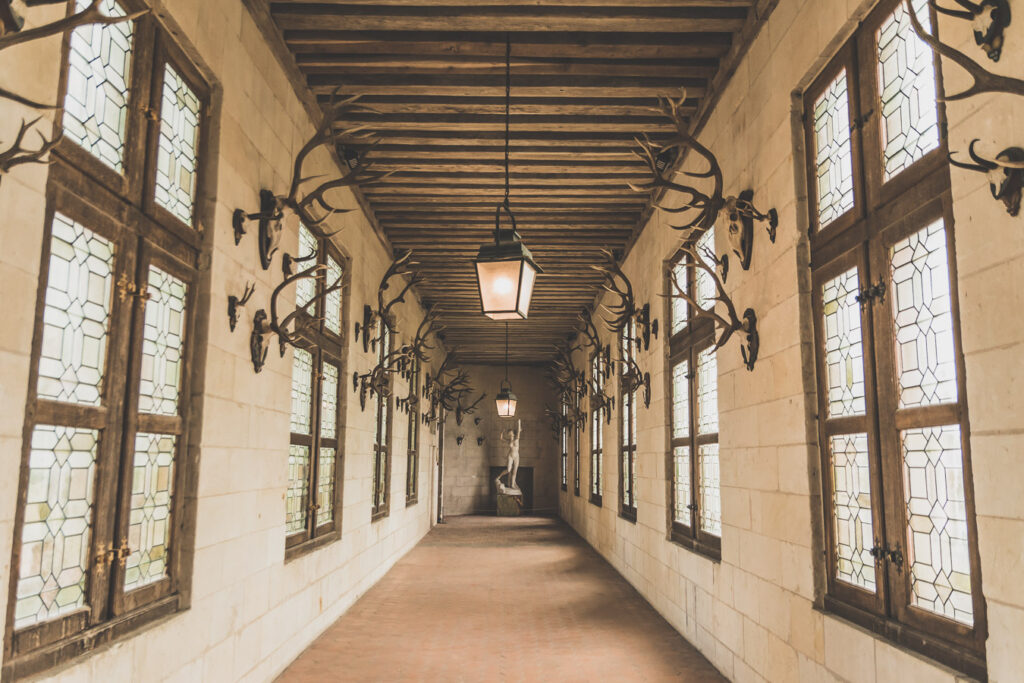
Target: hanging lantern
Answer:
pixel 505 270
pixel 506 273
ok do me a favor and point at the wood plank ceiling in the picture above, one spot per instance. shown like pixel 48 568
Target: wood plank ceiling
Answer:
pixel 584 75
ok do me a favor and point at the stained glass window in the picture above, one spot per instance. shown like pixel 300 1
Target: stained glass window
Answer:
pixel 163 344
pixel 96 102
pixel 833 153
pixel 925 350
pixel 149 524
pixel 305 289
pixel 906 82
pixel 937 550
pixel 681 484
pixel 56 531
pixel 332 302
pixel 894 464
pixel 710 497
pixel 851 510
pixel 178 147
pixel 681 400
pixel 76 314
pixel 596 428
pixel 296 498
pixel 302 391
pixel 680 283
pixel 325 494
pixel 329 402
pixel 707 392
pixel 706 290
pixel 844 349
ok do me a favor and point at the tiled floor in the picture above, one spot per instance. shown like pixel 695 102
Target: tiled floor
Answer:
pixel 510 599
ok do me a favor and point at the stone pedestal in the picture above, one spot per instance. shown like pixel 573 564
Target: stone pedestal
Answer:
pixel 509 506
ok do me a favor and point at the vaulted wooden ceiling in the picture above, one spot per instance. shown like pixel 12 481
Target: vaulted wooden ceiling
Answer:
pixel 584 75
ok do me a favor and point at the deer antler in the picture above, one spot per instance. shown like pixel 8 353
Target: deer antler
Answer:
pixel 726 325
pixel 653 154
pixel 982 80
pixel 326 135
pixel 624 310
pixel 399 267
pixel 89 15
pixel 280 326
pixel 16 154
pixel 427 326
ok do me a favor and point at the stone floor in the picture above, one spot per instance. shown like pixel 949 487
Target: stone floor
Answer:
pixel 509 599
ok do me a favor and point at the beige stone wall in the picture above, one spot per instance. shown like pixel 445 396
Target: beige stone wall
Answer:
pixel 753 613
pixel 251 611
pixel 467 484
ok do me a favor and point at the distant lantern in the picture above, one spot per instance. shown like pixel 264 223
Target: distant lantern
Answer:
pixel 506 401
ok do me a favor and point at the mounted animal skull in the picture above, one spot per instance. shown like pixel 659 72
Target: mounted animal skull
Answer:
pixel 989 19
pixel 982 80
pixel 1005 174
pixel 374 321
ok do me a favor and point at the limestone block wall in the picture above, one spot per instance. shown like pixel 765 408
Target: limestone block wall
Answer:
pixel 467 481
pixel 251 612
pixel 753 613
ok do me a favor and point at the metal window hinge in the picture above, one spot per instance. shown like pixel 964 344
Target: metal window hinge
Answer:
pixel 875 291
pixel 884 554
pixel 859 121
pixel 126 287
pixel 149 112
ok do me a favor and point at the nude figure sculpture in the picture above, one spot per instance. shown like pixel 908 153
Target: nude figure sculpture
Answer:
pixel 511 436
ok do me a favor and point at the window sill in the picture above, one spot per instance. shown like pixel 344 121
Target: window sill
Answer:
pixel 565 488
pixel 628 515
pixel 380 514
pixel 412 500
pixel 692 544
pixel 63 652
pixel 595 499
pixel 949 654
pixel 309 546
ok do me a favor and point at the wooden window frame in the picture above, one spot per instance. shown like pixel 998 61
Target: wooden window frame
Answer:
pixel 564 441
pixel 597 432
pixel 326 346
pixel 412 472
pixel 696 336
pixel 120 208
pixel 382 434
pixel 884 213
pixel 577 432
pixel 627 434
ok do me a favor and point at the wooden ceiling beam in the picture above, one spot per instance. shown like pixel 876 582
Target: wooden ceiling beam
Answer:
pixel 498 18
pixel 549 3
pixel 494 85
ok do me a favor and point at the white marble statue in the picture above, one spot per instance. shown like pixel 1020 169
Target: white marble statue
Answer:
pixel 511 436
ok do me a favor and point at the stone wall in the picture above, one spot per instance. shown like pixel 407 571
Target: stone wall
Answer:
pixel 251 611
pixel 754 613
pixel 467 480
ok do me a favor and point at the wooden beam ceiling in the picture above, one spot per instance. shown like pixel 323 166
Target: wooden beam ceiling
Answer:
pixel 585 74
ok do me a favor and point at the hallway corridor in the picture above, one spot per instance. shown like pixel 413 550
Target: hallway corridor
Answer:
pixel 488 599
